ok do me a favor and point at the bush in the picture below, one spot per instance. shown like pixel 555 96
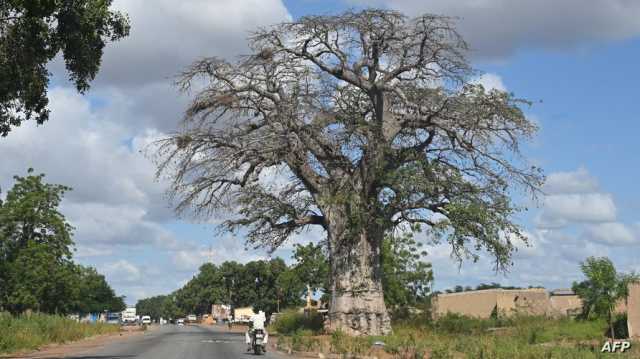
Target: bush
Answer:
pixel 292 321
pixel 454 323
pixel 28 332
pixel 620 328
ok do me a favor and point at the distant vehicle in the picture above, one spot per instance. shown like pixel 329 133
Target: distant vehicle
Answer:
pixel 129 316
pixel 113 318
pixel 180 321
pixel 146 319
pixel 191 318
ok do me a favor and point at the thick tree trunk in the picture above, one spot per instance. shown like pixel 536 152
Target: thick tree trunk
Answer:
pixel 357 301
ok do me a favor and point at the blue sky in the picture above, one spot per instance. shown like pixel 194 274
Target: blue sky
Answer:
pixel 576 60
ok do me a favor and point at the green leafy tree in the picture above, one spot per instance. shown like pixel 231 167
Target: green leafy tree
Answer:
pixel 40 281
pixel 36 267
pixel 311 267
pixel 35 245
pixel 406 277
pixel 32 33
pixel 157 307
pixel 602 289
pixel 263 285
pixel 94 294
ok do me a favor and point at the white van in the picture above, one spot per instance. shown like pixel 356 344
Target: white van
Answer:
pixel 146 319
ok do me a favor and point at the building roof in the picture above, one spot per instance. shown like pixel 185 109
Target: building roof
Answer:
pixel 562 291
pixel 494 290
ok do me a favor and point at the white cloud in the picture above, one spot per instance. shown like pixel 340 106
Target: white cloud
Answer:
pixel 574 197
pixel 497 28
pixel 190 260
pixel 612 233
pixel 122 271
pixel 170 35
pixel 491 82
pixel 589 207
pixel 579 181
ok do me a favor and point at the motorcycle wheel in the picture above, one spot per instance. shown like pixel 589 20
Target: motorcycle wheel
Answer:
pixel 257 349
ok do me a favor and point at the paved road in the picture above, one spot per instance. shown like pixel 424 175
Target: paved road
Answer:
pixel 180 342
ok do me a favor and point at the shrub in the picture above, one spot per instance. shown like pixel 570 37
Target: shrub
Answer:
pixel 292 321
pixel 620 328
pixel 454 323
pixel 28 332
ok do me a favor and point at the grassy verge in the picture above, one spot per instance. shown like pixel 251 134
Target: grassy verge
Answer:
pixel 28 332
pixel 461 337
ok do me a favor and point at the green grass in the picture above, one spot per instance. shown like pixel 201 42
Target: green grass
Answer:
pixel 455 336
pixel 29 332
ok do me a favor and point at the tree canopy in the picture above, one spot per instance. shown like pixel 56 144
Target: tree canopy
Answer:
pixel 375 120
pixel 602 288
pixel 258 284
pixel 32 33
pixel 36 267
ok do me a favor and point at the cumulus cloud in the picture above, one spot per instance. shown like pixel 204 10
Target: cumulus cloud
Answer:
pixel 574 197
pixel 579 181
pixel 168 36
pixel 490 82
pixel 123 271
pixel 497 28
pixel 588 207
pixel 612 233
pixel 190 261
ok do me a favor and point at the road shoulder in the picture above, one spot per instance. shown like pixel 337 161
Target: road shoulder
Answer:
pixel 77 347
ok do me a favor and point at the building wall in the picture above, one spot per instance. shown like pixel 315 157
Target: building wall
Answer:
pixel 633 310
pixel 479 303
pixel 533 301
pixel 565 304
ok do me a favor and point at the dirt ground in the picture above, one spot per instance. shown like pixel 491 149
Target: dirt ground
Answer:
pixel 78 347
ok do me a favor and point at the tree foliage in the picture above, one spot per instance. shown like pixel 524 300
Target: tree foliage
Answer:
pixel 406 277
pixel 602 289
pixel 36 267
pixel 32 33
pixel 257 284
pixel 311 267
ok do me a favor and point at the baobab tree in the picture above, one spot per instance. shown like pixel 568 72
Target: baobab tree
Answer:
pixel 377 122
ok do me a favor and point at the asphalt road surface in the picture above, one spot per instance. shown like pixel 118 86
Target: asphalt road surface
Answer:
pixel 180 342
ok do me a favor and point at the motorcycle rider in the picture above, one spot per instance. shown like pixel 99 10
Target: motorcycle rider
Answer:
pixel 257 322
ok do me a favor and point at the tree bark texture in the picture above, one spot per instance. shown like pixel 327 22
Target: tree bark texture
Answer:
pixel 357 299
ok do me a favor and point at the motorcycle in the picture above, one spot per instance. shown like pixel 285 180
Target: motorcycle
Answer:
pixel 257 342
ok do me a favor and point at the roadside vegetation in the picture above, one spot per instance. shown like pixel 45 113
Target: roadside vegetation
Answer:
pixel 455 336
pixel 458 336
pixel 29 332
pixel 39 281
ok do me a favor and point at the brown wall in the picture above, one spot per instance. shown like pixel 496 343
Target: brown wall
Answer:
pixel 478 303
pixel 481 303
pixel 526 301
pixel 565 304
pixel 633 310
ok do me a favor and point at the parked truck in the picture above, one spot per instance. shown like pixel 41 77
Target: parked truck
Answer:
pixel 129 316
